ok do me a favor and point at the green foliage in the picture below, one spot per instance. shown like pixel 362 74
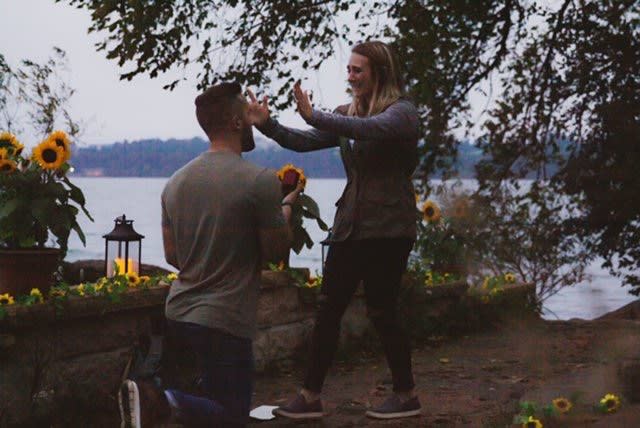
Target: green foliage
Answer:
pixel 305 207
pixel 226 39
pixel 566 112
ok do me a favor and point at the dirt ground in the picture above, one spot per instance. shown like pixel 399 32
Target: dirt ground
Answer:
pixel 478 380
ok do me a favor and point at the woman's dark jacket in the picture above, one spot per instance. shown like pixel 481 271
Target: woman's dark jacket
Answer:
pixel 379 154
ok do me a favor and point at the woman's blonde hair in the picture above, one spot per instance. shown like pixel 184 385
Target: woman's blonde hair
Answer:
pixel 388 86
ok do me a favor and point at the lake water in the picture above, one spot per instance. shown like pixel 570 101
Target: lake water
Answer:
pixel 139 199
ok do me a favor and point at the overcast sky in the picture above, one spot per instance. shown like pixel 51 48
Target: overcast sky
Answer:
pixel 115 110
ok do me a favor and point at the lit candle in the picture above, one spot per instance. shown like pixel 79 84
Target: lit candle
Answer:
pixel 132 266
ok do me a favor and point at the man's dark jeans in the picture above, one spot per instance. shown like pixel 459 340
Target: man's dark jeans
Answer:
pixel 379 263
pixel 227 366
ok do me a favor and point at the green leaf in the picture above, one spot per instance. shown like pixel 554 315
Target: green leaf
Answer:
pixel 310 205
pixel 298 240
pixel 307 239
pixel 80 233
pixel 9 207
pixel 43 209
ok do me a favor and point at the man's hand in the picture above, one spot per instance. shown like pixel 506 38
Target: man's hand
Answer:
pixel 258 111
pixel 304 103
pixel 293 195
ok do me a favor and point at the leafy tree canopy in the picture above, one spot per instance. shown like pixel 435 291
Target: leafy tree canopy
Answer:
pixel 563 71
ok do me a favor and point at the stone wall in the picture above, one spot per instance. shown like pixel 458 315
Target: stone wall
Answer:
pixel 70 359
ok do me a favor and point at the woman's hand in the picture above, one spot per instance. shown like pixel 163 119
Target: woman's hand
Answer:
pixel 304 103
pixel 258 111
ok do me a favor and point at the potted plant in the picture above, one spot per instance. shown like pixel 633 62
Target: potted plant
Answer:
pixel 305 207
pixel 37 202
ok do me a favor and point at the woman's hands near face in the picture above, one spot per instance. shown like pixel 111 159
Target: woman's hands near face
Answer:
pixel 258 111
pixel 304 103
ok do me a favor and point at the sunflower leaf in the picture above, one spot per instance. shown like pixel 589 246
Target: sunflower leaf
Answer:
pixel 9 207
pixel 310 205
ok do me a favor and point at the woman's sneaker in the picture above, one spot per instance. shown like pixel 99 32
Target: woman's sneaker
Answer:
pixel 394 407
pixel 298 408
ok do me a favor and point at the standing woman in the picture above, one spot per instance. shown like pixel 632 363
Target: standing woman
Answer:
pixel 374 227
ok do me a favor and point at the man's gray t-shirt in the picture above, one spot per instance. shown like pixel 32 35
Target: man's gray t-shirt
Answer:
pixel 214 207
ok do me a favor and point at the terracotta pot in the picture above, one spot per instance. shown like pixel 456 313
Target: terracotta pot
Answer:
pixel 24 269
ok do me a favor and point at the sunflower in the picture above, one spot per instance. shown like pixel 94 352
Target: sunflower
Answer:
pixel 291 168
pixel 9 141
pixel 57 292
pixel 485 283
pixel 35 292
pixel 313 282
pixel 7 165
pixel 172 276
pixel 532 423
pixel 49 155
pixel 610 403
pixel 61 139
pixel 133 279
pixel 80 290
pixel 562 405
pixel 428 279
pixel 431 211
pixel 6 299
pixel 509 277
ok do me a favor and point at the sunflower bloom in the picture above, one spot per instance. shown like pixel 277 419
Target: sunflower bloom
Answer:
pixel 35 292
pixel 7 165
pixel 172 276
pixel 6 299
pixel 8 140
pixel 509 277
pixel 610 403
pixel 532 423
pixel 57 292
pixel 313 282
pixel 288 170
pixel 428 279
pixel 80 290
pixel 133 279
pixel 431 212
pixel 49 155
pixel 61 139
pixel 485 283
pixel 562 405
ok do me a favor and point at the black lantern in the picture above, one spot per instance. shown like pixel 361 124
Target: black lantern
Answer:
pixel 121 246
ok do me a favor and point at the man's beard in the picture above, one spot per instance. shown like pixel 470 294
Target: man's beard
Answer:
pixel 248 142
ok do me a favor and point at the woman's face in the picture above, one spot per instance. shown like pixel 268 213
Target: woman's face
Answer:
pixel 360 77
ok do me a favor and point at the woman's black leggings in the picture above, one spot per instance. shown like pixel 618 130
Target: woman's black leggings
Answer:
pixel 379 263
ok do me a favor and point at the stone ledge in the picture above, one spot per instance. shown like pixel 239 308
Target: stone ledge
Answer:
pixel 451 289
pixel 80 307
